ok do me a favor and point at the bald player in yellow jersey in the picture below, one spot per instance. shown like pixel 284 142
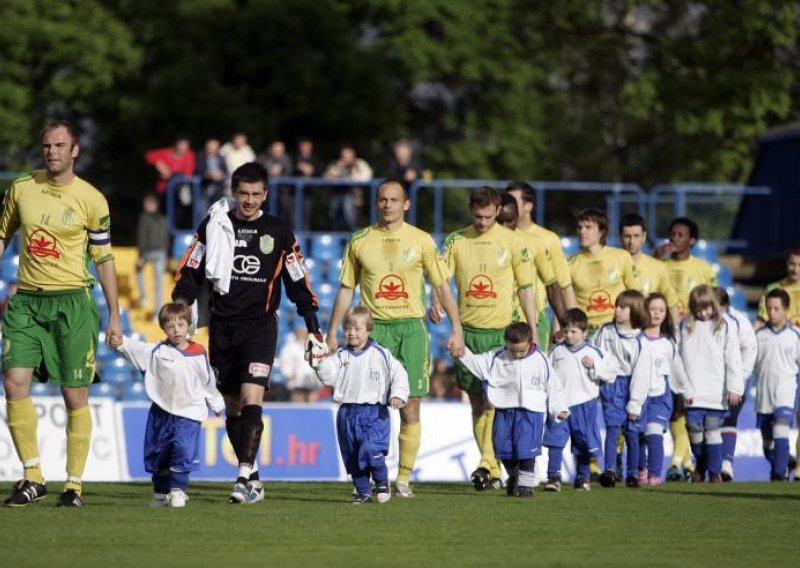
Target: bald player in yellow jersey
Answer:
pixel 388 261
pixel 685 272
pixel 790 284
pixel 526 204
pixel 490 263
pixel 51 325
pixel 650 273
pixel 599 272
pixel 545 284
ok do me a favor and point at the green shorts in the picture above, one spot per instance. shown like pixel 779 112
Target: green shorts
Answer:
pixel 478 341
pixel 407 340
pixel 54 333
pixel 544 329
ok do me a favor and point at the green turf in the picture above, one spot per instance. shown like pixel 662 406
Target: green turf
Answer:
pixel 301 524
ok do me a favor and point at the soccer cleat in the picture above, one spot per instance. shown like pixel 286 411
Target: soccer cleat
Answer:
pixel 777 477
pixel 716 478
pixel 176 499
pixel 159 500
pixel 511 485
pixel 632 482
pixel 674 474
pixel 480 478
pixel 25 492
pixel 362 499
pixel 553 484
pixel 69 498
pixel 239 494
pixel 581 485
pixel 643 477
pixel 255 491
pixel 608 479
pixel 654 481
pixel 494 483
pixel 698 477
pixel 383 493
pixel 525 492
pixel 727 471
pixel 403 489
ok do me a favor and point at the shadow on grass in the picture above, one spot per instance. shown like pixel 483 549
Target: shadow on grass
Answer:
pixel 732 495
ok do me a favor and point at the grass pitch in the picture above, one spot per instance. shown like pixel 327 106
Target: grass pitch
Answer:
pixel 303 524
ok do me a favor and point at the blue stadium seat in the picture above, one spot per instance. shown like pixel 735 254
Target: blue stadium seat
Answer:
pixel 314 270
pixel 9 269
pixel 738 299
pixel 41 389
pixel 569 245
pixel 326 248
pixel 182 241
pixel 707 250
pixel 134 392
pixel 102 389
pixel 724 275
pixel 3 289
pixel 326 295
pixel 114 376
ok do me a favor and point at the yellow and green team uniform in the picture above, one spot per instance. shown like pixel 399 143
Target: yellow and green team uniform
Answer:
pixel 543 276
pixel 791 288
pixel 598 279
pixel 685 275
pixel 651 276
pixel 557 258
pixel 389 267
pixel 489 268
pixel 52 323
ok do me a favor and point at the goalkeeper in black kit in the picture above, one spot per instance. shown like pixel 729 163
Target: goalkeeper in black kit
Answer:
pixel 238 259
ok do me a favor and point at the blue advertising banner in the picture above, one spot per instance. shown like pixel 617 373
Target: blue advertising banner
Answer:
pixel 299 443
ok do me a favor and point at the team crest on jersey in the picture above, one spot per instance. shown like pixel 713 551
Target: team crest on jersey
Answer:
pixel 409 254
pixel 481 287
pixel 42 244
pixel 391 287
pixel 526 254
pixel 502 257
pixel 67 216
pixel 613 274
pixel 266 243
pixel 599 301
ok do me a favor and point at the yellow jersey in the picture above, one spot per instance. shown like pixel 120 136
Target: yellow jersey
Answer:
pixel 542 266
pixel 793 289
pixel 651 276
pixel 685 275
pixel 557 258
pixel 489 268
pixel 598 279
pixel 61 228
pixel 389 266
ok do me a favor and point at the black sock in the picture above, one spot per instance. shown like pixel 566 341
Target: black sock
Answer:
pixel 251 429
pixel 233 425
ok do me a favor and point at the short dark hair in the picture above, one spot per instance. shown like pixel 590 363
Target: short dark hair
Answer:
pixel 794 252
pixel 518 332
pixel 251 172
pixel 527 192
pixel 174 310
pixel 73 132
pixel 723 298
pixel 597 216
pixel 398 181
pixel 632 220
pixel 508 201
pixel 780 294
pixel 577 318
pixel 694 230
pixel 483 196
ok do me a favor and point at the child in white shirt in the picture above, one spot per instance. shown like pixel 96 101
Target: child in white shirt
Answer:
pixel 180 383
pixel 365 378
pixel 777 368
pixel 523 387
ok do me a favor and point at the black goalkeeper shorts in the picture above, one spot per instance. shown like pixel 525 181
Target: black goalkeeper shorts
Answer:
pixel 243 352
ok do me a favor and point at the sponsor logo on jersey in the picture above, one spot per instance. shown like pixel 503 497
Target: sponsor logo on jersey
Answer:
pixel 481 287
pixel 246 264
pixel 42 244
pixel 266 243
pixel 240 243
pixel 599 301
pixel 197 255
pixel 258 369
pixel 294 267
pixel 391 287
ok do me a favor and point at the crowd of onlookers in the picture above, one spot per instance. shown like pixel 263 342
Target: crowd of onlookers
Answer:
pixel 344 204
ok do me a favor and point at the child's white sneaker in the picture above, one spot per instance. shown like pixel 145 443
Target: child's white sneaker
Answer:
pixel 159 500
pixel 177 499
pixel 383 493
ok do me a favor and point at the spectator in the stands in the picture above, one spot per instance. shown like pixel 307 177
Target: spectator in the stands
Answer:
pixel 177 159
pixel 279 164
pixel 152 240
pixel 306 163
pixel 12 289
pixel 345 203
pixel 212 169
pixel 404 164
pixel 237 152
pixel 301 380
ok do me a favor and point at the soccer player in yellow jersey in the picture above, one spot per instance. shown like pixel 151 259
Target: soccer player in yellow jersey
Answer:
pixel 526 202
pixel 685 272
pixel 388 261
pixel 791 284
pixel 650 273
pixel 599 272
pixel 490 263
pixel 545 284
pixel 51 324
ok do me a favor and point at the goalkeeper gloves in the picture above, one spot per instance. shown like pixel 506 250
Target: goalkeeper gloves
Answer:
pixel 316 349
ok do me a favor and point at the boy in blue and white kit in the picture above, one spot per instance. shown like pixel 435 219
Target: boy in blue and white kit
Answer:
pixel 179 381
pixel 579 367
pixel 522 386
pixel 777 368
pixel 365 378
